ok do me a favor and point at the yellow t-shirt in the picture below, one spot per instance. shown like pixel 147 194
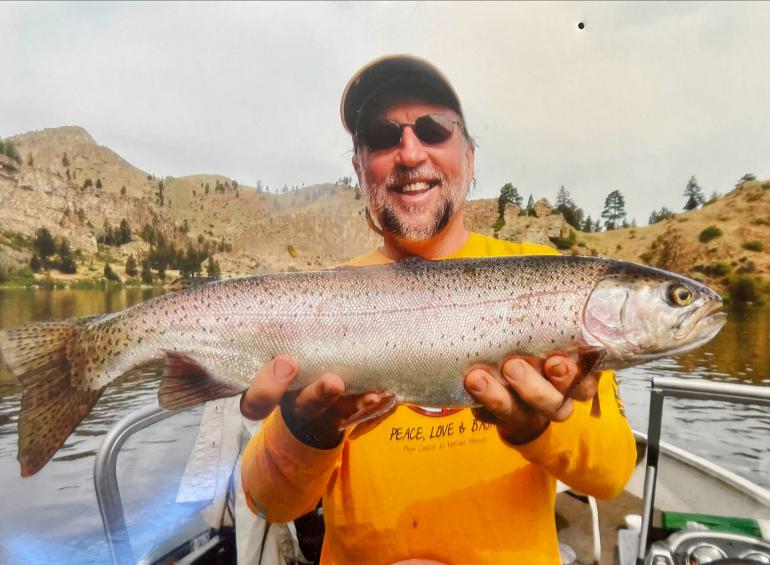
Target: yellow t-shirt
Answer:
pixel 441 486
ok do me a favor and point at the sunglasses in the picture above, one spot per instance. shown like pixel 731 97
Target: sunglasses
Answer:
pixel 430 129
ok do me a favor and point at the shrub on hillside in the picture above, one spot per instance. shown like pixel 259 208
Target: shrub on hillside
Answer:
pixel 711 232
pixel 565 242
pixel 717 269
pixel 8 149
pixel 753 245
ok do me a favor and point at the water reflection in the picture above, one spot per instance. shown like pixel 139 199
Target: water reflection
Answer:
pixel 18 306
pixel 739 353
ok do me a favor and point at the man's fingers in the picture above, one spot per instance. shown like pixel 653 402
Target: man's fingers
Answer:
pixel 535 391
pixel 561 371
pixel 586 388
pixel 487 391
pixel 268 387
pixel 317 397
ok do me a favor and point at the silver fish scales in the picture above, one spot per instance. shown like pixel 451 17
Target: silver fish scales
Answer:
pixel 410 329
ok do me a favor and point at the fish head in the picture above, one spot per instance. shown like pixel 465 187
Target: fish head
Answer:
pixel 638 313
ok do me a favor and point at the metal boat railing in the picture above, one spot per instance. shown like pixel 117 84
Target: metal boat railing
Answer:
pixel 106 480
pixel 663 387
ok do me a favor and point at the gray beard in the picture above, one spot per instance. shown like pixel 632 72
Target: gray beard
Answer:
pixel 396 220
pixel 391 221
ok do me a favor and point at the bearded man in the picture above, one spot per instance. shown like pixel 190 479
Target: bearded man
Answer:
pixel 410 490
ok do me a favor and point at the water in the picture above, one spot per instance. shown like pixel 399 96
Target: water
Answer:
pixel 53 516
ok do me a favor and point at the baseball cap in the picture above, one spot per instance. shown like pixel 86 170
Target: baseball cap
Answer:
pixel 405 74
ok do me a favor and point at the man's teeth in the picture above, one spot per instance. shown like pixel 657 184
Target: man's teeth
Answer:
pixel 415 187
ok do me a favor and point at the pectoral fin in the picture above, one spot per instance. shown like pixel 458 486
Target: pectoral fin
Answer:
pixel 186 383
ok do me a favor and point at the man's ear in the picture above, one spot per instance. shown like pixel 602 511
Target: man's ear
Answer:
pixel 357 165
pixel 470 160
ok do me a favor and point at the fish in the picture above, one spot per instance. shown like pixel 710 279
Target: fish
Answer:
pixel 409 329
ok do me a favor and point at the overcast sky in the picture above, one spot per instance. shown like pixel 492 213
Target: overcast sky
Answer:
pixel 643 97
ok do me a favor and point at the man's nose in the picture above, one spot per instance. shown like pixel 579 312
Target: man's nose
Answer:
pixel 411 151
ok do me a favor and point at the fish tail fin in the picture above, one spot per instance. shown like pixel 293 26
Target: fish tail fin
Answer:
pixel 51 407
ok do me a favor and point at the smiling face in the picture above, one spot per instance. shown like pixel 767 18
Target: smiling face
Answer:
pixel 416 189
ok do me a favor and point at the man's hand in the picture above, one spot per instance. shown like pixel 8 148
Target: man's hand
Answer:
pixel 523 400
pixel 314 413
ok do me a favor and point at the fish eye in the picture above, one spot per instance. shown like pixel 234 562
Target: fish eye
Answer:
pixel 680 295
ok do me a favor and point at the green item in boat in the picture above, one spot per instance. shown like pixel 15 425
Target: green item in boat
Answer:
pixel 678 521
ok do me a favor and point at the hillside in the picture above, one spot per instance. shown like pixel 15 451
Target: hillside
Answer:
pixel 316 226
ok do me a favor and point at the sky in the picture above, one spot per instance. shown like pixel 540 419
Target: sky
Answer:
pixel 644 96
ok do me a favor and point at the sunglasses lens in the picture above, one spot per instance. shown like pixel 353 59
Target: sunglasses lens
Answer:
pixel 433 128
pixel 381 135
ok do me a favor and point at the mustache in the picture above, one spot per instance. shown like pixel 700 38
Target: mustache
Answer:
pixel 404 175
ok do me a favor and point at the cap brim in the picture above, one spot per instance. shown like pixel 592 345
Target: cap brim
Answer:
pixel 374 76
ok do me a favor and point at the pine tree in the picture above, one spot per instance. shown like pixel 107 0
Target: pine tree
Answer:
pixel 35 264
pixel 530 206
pixel 508 194
pixel 66 260
pixel 614 212
pixel 131 269
pixel 146 272
pixel 124 234
pixel 658 216
pixel 572 213
pixel 213 269
pixel 694 195
pixel 44 245
pixel 109 274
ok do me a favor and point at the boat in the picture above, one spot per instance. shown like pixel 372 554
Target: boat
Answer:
pixel 678 508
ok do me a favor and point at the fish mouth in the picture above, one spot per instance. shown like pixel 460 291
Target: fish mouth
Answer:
pixel 709 315
pixel 707 321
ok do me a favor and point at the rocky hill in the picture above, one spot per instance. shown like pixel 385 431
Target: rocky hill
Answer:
pixel 69 184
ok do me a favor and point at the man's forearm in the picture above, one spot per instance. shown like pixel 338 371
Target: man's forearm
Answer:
pixel 281 477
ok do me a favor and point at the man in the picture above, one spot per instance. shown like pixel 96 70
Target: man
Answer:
pixel 451 486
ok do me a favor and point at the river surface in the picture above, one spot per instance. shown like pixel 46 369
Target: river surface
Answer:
pixel 53 517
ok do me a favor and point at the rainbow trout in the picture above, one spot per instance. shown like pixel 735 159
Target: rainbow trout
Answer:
pixel 410 329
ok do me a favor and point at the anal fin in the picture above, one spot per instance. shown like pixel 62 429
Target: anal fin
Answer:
pixel 186 383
